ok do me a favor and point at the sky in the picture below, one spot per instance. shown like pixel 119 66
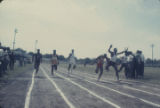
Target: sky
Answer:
pixel 88 26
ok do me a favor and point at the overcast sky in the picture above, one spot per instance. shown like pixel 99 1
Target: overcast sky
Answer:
pixel 88 26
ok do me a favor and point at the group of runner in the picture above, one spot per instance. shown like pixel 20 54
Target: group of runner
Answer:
pixel 132 63
pixel 55 61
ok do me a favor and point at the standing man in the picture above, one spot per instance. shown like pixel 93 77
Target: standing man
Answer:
pixel 125 65
pixel 72 62
pixel 138 63
pixel 37 60
pixel 54 62
pixel 142 64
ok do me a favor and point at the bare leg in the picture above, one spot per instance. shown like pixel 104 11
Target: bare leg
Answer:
pixel 101 72
pixel 116 70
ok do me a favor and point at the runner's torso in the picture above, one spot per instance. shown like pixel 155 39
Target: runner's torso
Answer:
pixel 113 57
pixel 54 60
pixel 100 62
pixel 72 59
pixel 38 58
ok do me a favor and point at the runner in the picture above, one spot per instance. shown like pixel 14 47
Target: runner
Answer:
pixel 113 61
pixel 72 62
pixel 54 62
pixel 99 67
pixel 37 60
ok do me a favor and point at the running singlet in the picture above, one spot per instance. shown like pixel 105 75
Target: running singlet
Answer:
pixel 54 60
pixel 114 58
pixel 72 59
pixel 100 62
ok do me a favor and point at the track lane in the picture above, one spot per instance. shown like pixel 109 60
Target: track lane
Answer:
pixel 138 87
pixel 149 104
pixel 45 95
pixel 79 97
pixel 141 100
pixel 58 89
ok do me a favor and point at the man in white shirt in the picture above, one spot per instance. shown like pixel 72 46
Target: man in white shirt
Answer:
pixel 72 62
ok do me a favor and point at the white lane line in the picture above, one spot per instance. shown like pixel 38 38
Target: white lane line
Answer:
pixel 92 93
pixel 122 93
pixel 104 87
pixel 28 96
pixel 141 91
pixel 150 84
pixel 128 81
pixel 155 94
pixel 58 89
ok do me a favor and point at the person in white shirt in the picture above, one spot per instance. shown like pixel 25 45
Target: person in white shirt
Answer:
pixel 72 62
pixel 124 64
pixel 142 64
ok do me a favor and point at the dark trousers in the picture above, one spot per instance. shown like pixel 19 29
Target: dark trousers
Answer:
pixel 1 70
pixel 138 70
pixel 132 67
pixel 36 66
pixel 125 66
pixel 11 65
pixel 70 65
pixel 142 69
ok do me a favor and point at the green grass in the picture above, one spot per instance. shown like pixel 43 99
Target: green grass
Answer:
pixel 13 73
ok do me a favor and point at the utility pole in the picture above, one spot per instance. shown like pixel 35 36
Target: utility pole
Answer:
pixel 36 42
pixel 14 41
pixel 152 46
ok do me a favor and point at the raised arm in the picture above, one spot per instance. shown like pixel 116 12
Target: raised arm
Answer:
pixel 109 50
pixel 122 51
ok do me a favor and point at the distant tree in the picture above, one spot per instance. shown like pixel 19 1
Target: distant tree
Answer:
pixel 87 60
pixel 47 55
pixel 30 53
pixel 20 50
pixel 61 57
pixel 1 1
pixel 148 61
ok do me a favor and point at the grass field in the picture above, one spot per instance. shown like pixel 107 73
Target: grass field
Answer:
pixel 13 73
pixel 151 75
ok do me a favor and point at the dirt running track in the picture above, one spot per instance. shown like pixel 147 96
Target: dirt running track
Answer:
pixel 79 90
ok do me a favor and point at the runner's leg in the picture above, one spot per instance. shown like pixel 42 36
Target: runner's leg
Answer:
pixel 109 63
pixel 101 72
pixel 116 70
pixel 69 68
pixel 122 66
pixel 52 70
